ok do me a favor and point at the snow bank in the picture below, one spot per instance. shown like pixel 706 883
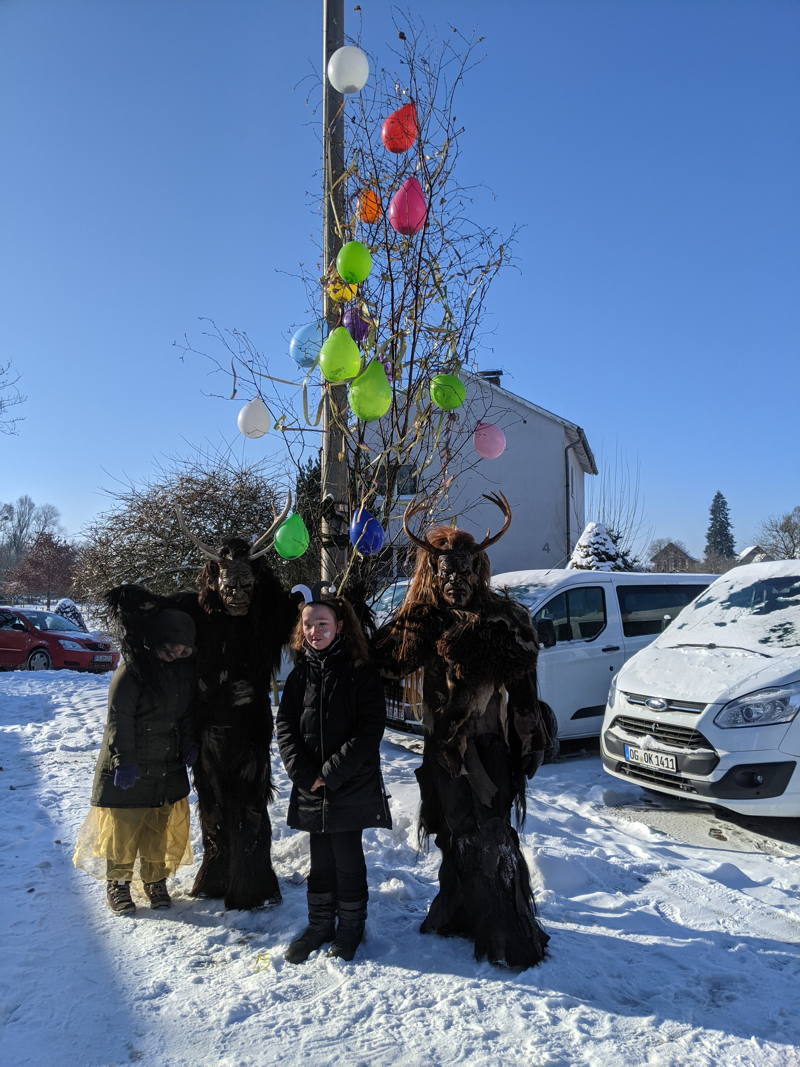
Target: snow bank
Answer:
pixel 661 953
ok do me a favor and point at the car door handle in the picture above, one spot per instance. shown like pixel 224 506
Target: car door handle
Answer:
pixel 611 648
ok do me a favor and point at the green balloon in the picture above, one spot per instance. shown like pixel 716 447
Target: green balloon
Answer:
pixel 370 394
pixel 339 357
pixel 447 391
pixel 291 538
pixel 354 262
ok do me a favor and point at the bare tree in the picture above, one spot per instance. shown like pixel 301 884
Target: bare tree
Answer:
pixel 780 535
pixel 615 500
pixel 10 397
pixel 46 569
pixel 139 539
pixel 422 303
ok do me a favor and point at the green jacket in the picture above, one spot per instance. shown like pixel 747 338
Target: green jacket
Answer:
pixel 151 729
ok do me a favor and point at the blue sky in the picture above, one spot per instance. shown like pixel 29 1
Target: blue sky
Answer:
pixel 157 161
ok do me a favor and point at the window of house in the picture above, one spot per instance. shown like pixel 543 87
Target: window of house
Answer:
pixel 577 615
pixel 643 607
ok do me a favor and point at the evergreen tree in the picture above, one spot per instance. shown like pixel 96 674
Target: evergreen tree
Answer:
pixel 596 551
pixel 719 538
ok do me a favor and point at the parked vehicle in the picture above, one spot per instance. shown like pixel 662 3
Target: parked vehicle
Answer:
pixel 42 640
pixel 710 709
pixel 588 622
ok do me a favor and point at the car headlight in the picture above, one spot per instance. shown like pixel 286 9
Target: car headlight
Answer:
pixel 612 692
pixel 71 646
pixel 766 707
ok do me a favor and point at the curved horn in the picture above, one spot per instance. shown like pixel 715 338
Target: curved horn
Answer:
pixel 207 550
pixel 500 500
pixel 412 508
pixel 260 546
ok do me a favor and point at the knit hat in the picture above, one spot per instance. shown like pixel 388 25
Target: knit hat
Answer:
pixel 172 627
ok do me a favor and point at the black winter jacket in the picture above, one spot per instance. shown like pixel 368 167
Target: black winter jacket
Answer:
pixel 330 724
pixel 151 729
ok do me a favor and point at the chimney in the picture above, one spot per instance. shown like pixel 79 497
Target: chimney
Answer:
pixel 491 376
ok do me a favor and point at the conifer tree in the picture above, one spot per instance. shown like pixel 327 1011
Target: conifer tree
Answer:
pixel 596 551
pixel 719 538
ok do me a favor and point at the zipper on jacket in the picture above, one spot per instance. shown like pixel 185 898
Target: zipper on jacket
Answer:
pixel 322 739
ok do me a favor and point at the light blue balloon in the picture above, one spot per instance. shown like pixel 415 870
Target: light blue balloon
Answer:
pixel 306 343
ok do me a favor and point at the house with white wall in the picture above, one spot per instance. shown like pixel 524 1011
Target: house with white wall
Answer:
pixel 541 472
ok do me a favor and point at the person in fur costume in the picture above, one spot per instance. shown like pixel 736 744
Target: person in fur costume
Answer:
pixel 244 618
pixel 484 734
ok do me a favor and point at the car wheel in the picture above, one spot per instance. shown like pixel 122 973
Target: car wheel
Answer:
pixel 39 660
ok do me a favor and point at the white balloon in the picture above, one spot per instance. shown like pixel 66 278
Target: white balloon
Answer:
pixel 348 69
pixel 254 420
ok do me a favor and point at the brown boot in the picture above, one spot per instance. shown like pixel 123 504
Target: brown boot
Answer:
pixel 118 895
pixel 157 894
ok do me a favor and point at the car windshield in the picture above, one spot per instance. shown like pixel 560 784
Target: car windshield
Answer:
pixel 387 601
pixel 47 620
pixel 755 607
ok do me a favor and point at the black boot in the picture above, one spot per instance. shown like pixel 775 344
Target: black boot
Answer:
pixel 118 895
pixel 321 915
pixel 350 928
pixel 157 894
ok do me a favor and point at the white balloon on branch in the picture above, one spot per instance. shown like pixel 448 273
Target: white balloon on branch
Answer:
pixel 348 69
pixel 254 420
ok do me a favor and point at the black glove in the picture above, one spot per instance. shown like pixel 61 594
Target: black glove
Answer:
pixel 126 775
pixel 190 753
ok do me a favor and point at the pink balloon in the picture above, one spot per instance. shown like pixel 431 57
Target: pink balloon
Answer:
pixel 489 440
pixel 408 208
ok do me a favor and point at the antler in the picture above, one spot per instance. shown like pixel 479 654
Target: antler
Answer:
pixel 412 508
pixel 207 550
pixel 255 549
pixel 500 500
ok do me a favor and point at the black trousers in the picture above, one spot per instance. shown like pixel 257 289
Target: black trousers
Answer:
pixel 338 865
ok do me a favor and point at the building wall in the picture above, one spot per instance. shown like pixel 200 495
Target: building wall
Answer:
pixel 531 472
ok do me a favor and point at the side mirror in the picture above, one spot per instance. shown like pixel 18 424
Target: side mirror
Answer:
pixel 546 632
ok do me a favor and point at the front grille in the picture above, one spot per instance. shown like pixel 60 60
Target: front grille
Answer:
pixel 650 774
pixel 688 706
pixel 678 736
pixel 98 646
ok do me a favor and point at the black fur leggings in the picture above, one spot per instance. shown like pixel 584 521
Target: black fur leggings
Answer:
pixel 337 865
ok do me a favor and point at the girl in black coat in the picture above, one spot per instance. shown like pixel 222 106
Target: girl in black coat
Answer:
pixel 329 727
pixel 140 814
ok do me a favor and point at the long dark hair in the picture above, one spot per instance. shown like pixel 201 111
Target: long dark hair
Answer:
pixel 352 635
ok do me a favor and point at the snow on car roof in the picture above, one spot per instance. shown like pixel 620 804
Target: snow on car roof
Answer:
pixel 754 607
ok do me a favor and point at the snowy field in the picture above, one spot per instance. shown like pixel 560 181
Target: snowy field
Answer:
pixel 661 952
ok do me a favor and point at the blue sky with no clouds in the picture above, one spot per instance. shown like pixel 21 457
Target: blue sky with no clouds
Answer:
pixel 158 158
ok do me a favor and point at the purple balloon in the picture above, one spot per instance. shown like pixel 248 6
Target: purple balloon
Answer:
pixel 358 327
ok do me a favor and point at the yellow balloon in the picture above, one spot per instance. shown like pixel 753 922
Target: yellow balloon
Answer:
pixel 340 291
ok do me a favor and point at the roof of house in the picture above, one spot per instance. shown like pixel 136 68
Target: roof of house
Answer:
pixel 672 549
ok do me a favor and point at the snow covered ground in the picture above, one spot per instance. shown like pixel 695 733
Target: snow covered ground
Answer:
pixel 661 952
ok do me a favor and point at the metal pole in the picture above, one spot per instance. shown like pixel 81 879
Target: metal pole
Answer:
pixel 333 465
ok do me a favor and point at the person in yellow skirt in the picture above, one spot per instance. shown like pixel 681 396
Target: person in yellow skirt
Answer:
pixel 139 819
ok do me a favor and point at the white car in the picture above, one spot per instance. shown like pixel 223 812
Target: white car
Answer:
pixel 589 623
pixel 710 709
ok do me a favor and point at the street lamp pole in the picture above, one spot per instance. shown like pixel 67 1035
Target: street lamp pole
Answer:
pixel 333 465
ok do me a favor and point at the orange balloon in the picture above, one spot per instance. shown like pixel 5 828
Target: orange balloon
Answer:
pixel 369 206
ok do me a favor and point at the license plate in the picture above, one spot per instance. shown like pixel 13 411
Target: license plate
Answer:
pixel 646 758
pixel 103 659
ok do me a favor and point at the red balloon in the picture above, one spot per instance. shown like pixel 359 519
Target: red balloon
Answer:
pixel 399 131
pixel 408 208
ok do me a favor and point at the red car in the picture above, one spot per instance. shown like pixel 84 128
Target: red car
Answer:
pixel 43 641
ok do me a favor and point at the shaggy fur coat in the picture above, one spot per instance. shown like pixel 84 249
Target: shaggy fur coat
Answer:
pixel 484 733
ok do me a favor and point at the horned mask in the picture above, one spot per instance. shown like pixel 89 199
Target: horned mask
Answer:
pixel 231 571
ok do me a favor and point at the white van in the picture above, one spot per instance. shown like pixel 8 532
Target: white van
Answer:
pixel 589 623
pixel 710 709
